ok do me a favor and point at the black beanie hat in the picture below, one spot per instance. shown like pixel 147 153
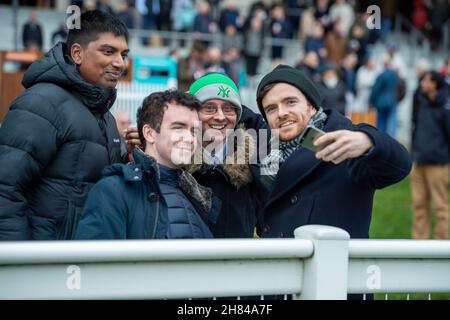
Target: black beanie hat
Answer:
pixel 292 76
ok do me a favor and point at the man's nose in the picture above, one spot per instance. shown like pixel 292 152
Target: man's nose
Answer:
pixel 186 136
pixel 219 114
pixel 189 137
pixel 119 62
pixel 282 112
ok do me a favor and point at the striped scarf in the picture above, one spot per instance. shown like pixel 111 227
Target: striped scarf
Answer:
pixel 271 164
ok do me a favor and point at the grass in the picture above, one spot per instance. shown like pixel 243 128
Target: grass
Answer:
pixel 392 219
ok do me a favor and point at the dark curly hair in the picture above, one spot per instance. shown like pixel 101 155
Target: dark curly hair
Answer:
pixel 152 110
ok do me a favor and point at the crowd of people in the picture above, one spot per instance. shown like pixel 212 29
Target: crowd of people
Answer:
pixel 337 43
pixel 57 189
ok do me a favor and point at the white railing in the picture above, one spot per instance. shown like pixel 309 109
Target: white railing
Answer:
pixel 320 263
pixel 399 266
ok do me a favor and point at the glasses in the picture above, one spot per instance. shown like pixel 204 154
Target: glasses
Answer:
pixel 227 109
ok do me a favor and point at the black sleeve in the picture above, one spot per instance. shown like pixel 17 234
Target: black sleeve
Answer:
pixel 252 120
pixel 446 120
pixel 387 163
pixel 28 143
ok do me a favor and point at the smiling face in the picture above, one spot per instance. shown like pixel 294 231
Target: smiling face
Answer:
pixel 217 116
pixel 287 110
pixel 102 61
pixel 175 142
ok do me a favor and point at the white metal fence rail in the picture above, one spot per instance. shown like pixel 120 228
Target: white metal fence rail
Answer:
pixel 320 263
pixel 399 266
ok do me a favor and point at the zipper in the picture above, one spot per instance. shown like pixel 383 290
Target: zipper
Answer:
pixel 156 220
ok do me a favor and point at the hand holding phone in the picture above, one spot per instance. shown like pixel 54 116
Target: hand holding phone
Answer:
pixel 310 134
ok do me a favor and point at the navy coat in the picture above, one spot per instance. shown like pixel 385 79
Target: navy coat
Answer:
pixel 127 204
pixel 310 191
pixel 384 91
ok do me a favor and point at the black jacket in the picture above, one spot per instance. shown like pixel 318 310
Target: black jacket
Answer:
pixel 54 143
pixel 431 129
pixel 310 191
pixel 237 185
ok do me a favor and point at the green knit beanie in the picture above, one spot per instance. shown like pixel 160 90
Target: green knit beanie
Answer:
pixel 217 86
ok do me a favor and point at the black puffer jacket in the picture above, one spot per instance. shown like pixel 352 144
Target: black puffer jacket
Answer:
pixel 54 143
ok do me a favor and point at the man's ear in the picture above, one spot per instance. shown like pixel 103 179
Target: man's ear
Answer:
pixel 149 134
pixel 76 53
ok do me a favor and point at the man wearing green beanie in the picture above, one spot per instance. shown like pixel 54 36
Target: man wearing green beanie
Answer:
pixel 228 159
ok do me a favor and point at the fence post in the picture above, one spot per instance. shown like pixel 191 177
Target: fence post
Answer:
pixel 325 273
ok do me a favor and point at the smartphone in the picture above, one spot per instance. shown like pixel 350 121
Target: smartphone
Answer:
pixel 310 134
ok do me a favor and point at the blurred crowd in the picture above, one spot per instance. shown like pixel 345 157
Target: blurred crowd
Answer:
pixel 337 43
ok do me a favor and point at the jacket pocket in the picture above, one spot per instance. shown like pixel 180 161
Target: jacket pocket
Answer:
pixel 67 227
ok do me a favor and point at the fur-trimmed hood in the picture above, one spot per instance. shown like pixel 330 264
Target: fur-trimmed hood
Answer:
pixel 238 173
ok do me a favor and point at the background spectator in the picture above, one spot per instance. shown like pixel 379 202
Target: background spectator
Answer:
pixel 280 28
pixel 230 16
pixel 253 45
pixel 431 157
pixel 125 14
pixel 183 15
pixel 32 33
pixel 60 34
pixel 310 65
pixel 191 67
pixel 343 12
pixel 333 89
pixel 316 42
pixel 336 44
pixel 103 5
pixel 203 23
pixel 365 79
pixel 384 98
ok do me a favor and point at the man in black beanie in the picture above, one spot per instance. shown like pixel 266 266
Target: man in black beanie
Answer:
pixel 334 186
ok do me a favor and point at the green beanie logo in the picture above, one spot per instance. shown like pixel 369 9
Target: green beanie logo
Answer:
pixel 224 91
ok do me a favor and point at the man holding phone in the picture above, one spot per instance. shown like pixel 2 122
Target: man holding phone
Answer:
pixel 335 185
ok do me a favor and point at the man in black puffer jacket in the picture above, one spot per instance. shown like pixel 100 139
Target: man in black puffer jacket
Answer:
pixel 59 133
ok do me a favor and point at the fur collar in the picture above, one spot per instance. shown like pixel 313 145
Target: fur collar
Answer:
pixel 239 174
pixel 196 191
